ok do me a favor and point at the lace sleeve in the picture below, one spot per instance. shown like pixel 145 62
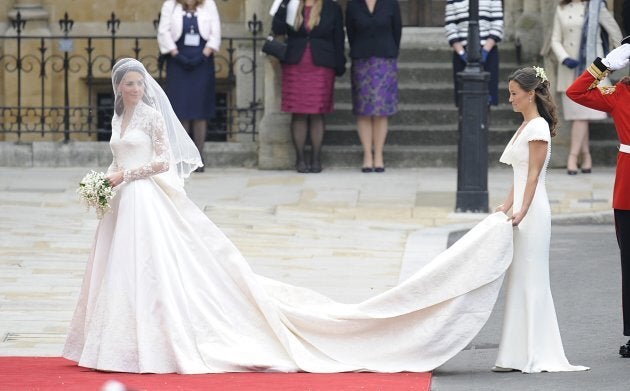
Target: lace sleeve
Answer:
pixel 156 129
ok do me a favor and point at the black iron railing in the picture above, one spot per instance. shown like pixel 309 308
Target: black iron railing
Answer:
pixel 59 85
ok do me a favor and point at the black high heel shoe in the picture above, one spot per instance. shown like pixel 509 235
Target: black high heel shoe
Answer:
pixel 301 167
pixel 316 166
pixel 624 350
pixel 586 170
pixel 572 158
pixel 367 169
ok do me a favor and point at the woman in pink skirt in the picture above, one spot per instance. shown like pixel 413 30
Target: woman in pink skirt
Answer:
pixel 315 55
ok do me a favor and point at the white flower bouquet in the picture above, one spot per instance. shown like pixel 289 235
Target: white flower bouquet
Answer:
pixel 96 192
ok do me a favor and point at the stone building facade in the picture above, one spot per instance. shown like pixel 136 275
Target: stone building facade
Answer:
pixel 528 24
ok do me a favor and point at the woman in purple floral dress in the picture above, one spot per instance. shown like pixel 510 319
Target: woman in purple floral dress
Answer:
pixel 374 29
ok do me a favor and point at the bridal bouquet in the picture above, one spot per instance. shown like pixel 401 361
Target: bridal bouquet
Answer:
pixel 95 192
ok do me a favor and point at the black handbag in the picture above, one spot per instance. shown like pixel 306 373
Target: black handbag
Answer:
pixel 275 47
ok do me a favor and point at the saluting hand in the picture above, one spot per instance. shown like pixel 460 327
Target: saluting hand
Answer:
pixel 618 57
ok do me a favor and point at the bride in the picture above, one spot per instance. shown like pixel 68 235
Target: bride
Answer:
pixel 166 291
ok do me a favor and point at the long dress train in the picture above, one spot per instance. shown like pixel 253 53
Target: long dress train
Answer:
pixel 166 291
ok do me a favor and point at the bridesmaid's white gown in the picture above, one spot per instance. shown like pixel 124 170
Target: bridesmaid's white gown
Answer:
pixel 166 291
pixel 530 340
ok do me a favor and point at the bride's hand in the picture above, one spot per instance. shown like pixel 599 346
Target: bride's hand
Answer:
pixel 115 178
pixel 500 208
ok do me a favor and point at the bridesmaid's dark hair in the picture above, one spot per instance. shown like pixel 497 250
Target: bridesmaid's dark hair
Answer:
pixel 530 80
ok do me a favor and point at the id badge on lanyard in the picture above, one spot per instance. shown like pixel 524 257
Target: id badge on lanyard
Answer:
pixel 192 38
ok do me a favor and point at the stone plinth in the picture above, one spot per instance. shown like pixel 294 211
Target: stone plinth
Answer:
pixel 275 146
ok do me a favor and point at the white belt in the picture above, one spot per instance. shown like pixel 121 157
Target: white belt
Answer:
pixel 624 148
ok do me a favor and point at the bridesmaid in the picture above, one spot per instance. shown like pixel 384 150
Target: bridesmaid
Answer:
pixel 530 340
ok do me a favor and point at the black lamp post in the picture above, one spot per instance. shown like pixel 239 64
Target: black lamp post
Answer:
pixel 472 150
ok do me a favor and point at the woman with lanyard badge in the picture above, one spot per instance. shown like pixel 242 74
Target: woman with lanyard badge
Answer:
pixel 189 34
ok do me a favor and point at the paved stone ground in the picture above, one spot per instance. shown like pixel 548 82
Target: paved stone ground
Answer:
pixel 346 234
pixel 586 287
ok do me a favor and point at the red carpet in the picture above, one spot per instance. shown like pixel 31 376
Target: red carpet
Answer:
pixel 55 373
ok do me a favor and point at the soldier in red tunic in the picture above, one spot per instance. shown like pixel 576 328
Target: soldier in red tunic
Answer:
pixel 614 100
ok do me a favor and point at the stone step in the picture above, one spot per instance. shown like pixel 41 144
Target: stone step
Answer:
pixel 440 52
pixel 428 72
pixel 604 153
pixel 412 135
pixel 424 132
pixel 422 115
pixel 448 134
pixel 423 72
pixel 418 93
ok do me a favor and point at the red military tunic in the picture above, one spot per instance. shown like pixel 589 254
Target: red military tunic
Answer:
pixel 614 100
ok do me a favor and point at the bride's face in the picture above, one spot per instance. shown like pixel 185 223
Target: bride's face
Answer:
pixel 519 98
pixel 131 88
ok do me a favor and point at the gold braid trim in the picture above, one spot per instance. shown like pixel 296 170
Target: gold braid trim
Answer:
pixel 595 69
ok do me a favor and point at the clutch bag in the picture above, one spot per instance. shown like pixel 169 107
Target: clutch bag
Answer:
pixel 275 47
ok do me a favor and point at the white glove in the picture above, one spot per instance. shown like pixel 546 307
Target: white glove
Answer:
pixel 618 58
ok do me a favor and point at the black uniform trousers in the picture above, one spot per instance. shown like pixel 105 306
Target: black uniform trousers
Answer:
pixel 622 228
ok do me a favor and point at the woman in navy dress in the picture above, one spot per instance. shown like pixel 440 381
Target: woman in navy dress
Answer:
pixel 190 33
pixel 374 29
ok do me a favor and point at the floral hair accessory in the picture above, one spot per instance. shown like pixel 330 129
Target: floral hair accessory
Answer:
pixel 540 72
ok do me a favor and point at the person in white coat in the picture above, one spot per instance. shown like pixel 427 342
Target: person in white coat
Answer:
pixel 569 38
pixel 189 34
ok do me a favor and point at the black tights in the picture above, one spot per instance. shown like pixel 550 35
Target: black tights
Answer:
pixel 622 227
pixel 197 132
pixel 301 126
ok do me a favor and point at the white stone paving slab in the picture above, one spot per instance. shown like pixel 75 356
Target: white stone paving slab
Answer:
pixel 342 233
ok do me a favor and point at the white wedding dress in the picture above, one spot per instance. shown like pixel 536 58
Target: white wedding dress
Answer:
pixel 166 291
pixel 530 340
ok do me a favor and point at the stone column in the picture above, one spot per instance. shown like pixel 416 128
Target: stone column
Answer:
pixel 275 149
